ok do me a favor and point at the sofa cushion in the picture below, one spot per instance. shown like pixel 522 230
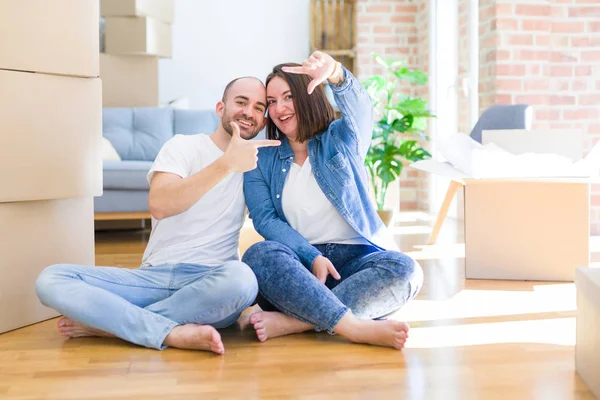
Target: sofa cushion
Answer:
pixel 137 133
pixel 122 201
pixel 189 122
pixel 126 175
pixel 108 151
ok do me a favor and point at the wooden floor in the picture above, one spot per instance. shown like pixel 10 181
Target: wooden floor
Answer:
pixel 470 340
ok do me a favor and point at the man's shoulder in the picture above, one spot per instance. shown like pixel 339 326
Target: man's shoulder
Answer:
pixel 184 140
pixel 188 143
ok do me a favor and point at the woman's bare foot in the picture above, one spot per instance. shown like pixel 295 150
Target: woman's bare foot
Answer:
pixel 270 324
pixel 195 337
pixel 70 328
pixel 388 333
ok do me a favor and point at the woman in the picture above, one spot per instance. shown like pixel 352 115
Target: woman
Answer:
pixel 328 262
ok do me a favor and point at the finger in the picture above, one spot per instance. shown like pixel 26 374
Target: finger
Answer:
pixel 313 84
pixel 295 70
pixel 318 55
pixel 322 57
pixel 308 65
pixel 315 61
pixel 236 129
pixel 334 272
pixel 322 278
pixel 266 143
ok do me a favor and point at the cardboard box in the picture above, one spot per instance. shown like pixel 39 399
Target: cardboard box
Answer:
pixel 50 132
pixel 587 344
pixel 35 235
pixel 525 228
pixel 59 37
pixel 138 36
pixel 162 10
pixel 129 81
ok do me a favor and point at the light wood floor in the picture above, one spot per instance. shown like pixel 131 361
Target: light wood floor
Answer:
pixel 470 340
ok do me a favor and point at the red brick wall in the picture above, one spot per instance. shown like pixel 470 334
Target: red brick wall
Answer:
pixel 398 29
pixel 542 52
pixel 546 54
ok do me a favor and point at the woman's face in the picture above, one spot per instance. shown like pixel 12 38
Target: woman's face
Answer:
pixel 281 107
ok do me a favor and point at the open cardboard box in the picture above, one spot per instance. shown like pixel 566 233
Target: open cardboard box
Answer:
pixel 525 227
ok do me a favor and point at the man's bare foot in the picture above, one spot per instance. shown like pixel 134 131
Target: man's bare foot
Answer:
pixel 195 337
pixel 70 328
pixel 388 333
pixel 270 324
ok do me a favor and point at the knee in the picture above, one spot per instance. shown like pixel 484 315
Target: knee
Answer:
pixel 263 254
pixel 46 282
pixel 397 263
pixel 240 279
pixel 404 269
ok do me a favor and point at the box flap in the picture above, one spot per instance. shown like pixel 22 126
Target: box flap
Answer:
pixel 566 143
pixel 514 155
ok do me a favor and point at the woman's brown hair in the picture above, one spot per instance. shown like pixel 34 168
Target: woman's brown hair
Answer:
pixel 313 111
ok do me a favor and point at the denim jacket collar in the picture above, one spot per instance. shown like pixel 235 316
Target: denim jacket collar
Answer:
pixel 286 151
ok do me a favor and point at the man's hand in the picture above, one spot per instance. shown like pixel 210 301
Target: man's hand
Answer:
pixel 318 66
pixel 322 267
pixel 242 154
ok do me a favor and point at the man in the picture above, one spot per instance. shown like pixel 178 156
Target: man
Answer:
pixel 191 280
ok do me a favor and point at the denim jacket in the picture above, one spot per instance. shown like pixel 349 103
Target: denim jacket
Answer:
pixel 337 158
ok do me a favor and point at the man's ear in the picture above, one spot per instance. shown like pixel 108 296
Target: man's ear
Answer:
pixel 264 123
pixel 219 108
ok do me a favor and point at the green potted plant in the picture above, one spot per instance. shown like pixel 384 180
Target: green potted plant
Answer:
pixel 399 128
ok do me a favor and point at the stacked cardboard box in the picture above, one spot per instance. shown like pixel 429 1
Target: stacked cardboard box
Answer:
pixel 587 344
pixel 50 162
pixel 138 33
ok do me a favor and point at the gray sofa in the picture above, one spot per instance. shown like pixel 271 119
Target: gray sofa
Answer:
pixel 137 134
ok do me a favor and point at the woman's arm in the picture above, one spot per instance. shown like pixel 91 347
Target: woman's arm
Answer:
pixel 268 224
pixel 353 100
pixel 356 108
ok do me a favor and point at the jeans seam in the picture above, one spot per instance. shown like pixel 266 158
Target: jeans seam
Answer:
pixel 161 339
pixel 337 319
pixel 157 317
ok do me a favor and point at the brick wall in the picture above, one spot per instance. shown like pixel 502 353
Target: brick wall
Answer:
pixel 394 28
pixel 542 52
pixel 545 53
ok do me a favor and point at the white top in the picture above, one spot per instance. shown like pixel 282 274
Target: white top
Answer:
pixel 310 213
pixel 208 232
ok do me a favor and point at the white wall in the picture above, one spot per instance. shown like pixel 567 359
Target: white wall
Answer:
pixel 216 41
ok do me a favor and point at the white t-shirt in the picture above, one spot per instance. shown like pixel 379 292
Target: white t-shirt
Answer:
pixel 208 232
pixel 310 213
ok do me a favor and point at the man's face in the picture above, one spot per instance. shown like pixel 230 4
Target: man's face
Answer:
pixel 245 104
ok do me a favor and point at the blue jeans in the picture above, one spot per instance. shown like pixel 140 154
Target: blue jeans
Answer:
pixel 374 282
pixel 143 305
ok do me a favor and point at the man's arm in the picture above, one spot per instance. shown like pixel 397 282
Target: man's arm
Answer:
pixel 170 194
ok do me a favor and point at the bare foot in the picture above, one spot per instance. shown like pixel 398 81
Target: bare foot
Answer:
pixel 195 337
pixel 270 324
pixel 388 333
pixel 70 328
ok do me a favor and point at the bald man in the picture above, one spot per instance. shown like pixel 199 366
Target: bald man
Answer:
pixel 190 282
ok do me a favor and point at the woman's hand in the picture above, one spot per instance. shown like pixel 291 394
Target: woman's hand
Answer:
pixel 322 267
pixel 319 66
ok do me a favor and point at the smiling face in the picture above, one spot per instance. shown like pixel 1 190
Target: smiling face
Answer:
pixel 293 112
pixel 243 102
pixel 281 108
